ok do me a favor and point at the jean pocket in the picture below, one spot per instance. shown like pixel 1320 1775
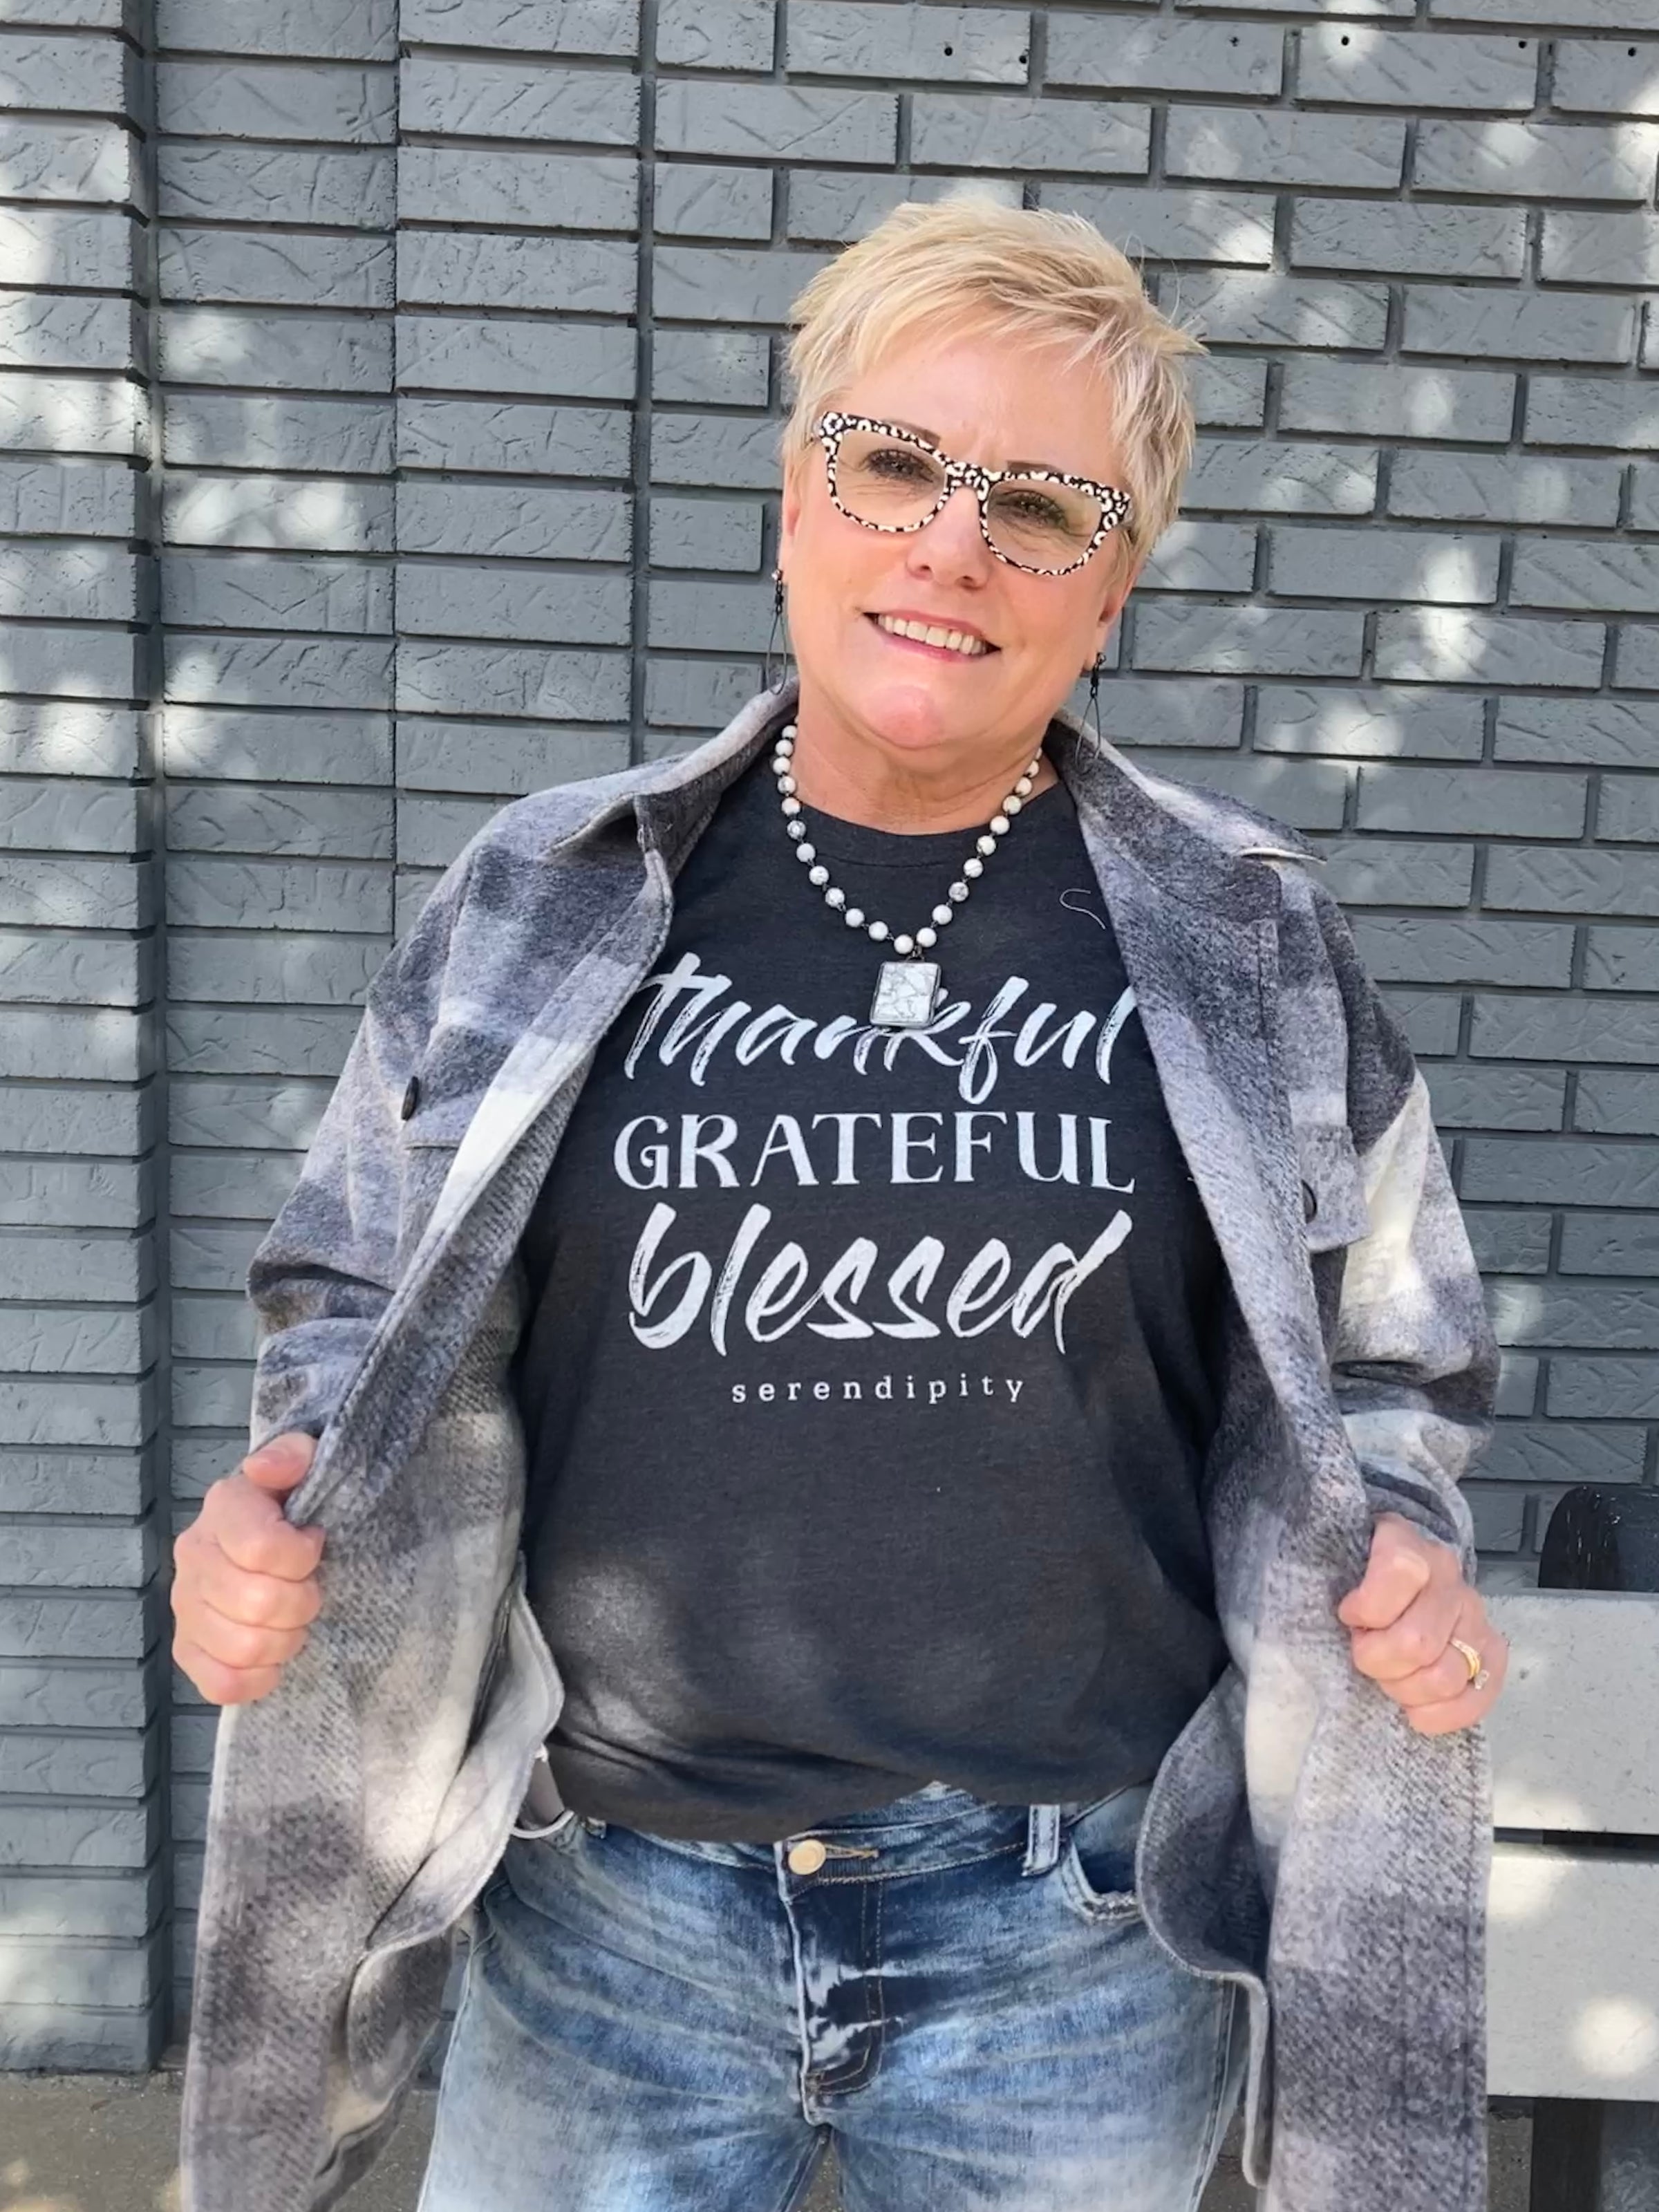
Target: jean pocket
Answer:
pixel 1097 1868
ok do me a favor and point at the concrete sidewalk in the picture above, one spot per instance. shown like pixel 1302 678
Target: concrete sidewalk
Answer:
pixel 102 2142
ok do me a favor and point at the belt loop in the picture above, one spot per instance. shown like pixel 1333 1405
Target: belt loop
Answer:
pixel 1042 1838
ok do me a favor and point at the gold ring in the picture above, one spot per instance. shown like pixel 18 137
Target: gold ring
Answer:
pixel 1477 1665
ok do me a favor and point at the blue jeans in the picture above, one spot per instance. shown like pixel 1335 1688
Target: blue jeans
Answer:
pixel 965 1995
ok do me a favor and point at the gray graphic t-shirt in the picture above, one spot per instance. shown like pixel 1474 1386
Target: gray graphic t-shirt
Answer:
pixel 868 1383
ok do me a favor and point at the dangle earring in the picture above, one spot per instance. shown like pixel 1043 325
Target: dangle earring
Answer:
pixel 767 684
pixel 1095 667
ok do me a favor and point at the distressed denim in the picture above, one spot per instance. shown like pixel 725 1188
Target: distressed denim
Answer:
pixel 965 1995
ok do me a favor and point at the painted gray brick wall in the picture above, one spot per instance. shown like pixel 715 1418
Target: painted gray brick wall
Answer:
pixel 387 394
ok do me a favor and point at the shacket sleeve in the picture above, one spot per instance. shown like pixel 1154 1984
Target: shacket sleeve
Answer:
pixel 326 1268
pixel 1414 1357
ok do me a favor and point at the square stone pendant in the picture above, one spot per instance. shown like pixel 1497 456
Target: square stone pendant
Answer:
pixel 907 991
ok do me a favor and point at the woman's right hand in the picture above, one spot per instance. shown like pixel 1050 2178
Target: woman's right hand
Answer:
pixel 245 1587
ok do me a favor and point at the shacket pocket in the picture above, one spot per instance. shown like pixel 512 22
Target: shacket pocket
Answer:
pixel 1334 1209
pixel 397 1990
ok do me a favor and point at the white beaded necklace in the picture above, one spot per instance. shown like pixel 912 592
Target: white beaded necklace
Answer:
pixel 907 989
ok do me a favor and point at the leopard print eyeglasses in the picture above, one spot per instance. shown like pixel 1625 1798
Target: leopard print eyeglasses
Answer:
pixel 892 479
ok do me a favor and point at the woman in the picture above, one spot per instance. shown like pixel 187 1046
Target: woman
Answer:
pixel 927 1243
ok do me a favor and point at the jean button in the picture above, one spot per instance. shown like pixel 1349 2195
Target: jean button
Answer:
pixel 807 1857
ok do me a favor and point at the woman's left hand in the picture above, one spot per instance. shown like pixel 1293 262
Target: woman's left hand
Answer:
pixel 1402 1618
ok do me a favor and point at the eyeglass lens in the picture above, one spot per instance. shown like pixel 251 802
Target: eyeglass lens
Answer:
pixel 883 479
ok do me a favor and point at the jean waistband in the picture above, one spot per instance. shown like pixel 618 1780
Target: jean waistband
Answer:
pixel 929 1830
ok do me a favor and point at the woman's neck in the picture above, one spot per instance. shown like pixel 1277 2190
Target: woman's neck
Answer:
pixel 866 784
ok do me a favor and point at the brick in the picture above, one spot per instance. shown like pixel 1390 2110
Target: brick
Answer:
pixel 1610 1244
pixel 1645 494
pixel 1606 1388
pixel 38 1194
pixel 36 1696
pixel 994 133
pixel 1587 15
pixel 728 35
pixel 75 1836
pixel 80 1410
pixel 442 600
pixel 213 1329
pixel 1229 394
pixel 1518 326
pixel 1583 248
pixel 1621 960
pixel 270 99
pixel 434 830
pixel 1201 557
pixel 1246 309
pixel 237 1186
pixel 70 15
pixel 510 440
pixel 1235 229
pixel 1414 69
pixel 276 747
pixel 1373 725
pixel 47 970
pixel 502 758
pixel 1637 664
pixel 51 657
pixel 1582 410
pixel 217 1259
pixel 221 817
pixel 317 30
pixel 1306 794
pixel 250 1115
pixel 554 26
pixel 553 191
pixel 252 591
pixel 1503 488
pixel 1381 564
pixel 1539 1027
pixel 705 533
pixel 255 893
pixel 1283 147
pixel 88 76
pixel 1309 7
pixel 1484 802
pixel 464 269
pixel 1599 733
pixel 67 737
pixel 1585 573
pixel 1541 160
pixel 1628 809
pixel 523 522
pixel 1373 236
pixel 723 451
pixel 1392 402
pixel 1429 1018
pixel 61 1342
pixel 539 683
pixel 733 283
pixel 701 199
pixel 40 330
pixel 815 124
pixel 86 583
pixel 1573 880
pixel 294 673
pixel 585 361
pixel 71 893
pixel 720 367
pixel 96 416
pixel 517 100
pixel 1564 1452
pixel 298 1041
pixel 351 189
pixel 1498 1097
pixel 276 430
pixel 82 1904
pixel 72 1554
pixel 222 345
pixel 1404 949
pixel 208 1398
pixel 1446 646
pixel 1157 711
pixel 1507 1240
pixel 1595 76
pixel 317 514
pixel 86 163
pixel 1399 872
pixel 1248 640
pixel 1260 476
pixel 853 37
pixel 93 249
pixel 91 1269
pixel 1166 56
pixel 1615 1104
pixel 291 268
pixel 1561 1171
pixel 81 499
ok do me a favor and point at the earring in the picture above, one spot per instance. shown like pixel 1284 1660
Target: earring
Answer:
pixel 1095 667
pixel 767 684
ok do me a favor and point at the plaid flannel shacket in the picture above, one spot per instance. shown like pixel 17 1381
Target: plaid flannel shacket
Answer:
pixel 1300 1839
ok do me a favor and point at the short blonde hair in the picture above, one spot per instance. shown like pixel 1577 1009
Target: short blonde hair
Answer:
pixel 969 264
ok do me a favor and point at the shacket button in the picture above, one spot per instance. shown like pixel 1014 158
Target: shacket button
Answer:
pixel 807 1857
pixel 1309 1201
pixel 411 1098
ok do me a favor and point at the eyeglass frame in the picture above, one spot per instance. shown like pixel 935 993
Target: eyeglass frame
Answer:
pixel 1116 506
